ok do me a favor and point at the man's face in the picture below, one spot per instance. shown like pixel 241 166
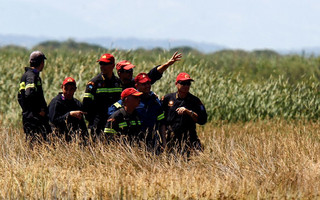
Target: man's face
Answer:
pixel 106 68
pixel 183 86
pixel 144 87
pixel 68 90
pixel 132 101
pixel 125 75
pixel 41 66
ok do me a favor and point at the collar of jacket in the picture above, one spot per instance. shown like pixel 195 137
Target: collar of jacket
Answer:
pixel 33 70
pixel 104 78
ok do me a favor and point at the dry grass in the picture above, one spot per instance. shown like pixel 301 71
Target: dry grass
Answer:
pixel 267 159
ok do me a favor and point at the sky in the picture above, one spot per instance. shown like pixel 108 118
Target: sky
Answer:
pixel 239 24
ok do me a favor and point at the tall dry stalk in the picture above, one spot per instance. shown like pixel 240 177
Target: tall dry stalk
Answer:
pixel 265 159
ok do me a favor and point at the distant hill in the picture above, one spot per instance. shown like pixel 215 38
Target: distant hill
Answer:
pixel 112 43
pixel 133 44
pixel 68 45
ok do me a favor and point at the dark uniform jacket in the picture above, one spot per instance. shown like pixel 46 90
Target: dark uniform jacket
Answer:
pixel 100 93
pixel 154 75
pixel 32 102
pixel 183 126
pixel 59 115
pixel 149 111
pixel 121 123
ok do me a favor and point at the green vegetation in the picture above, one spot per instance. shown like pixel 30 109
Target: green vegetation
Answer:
pixel 234 85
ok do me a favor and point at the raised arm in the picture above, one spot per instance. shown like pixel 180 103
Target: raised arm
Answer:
pixel 175 57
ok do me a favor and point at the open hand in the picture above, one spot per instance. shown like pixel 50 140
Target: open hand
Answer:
pixel 175 57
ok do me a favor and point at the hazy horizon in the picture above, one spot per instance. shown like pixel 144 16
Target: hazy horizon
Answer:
pixel 248 24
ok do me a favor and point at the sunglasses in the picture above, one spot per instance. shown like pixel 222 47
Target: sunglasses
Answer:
pixel 187 83
pixel 126 71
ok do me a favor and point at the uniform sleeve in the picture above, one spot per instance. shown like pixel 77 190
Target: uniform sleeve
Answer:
pixel 160 113
pixel 154 74
pixel 114 107
pixel 56 115
pixel 30 87
pixel 111 129
pixel 89 101
pixel 202 113
pixel 161 117
pixel 35 102
pixel 21 94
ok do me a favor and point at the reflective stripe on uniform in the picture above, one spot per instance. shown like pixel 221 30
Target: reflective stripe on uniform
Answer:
pixel 30 85
pixel 134 123
pixel 123 124
pixel 22 86
pixel 88 95
pixel 110 130
pixel 109 90
pixel 160 117
pixel 117 105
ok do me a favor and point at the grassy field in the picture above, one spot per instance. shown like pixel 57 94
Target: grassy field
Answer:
pixel 254 160
pixel 262 139
pixel 234 86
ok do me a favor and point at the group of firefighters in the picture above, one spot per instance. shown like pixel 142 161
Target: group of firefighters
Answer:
pixel 120 107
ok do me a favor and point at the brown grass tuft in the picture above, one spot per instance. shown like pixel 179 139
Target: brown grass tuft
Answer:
pixel 265 159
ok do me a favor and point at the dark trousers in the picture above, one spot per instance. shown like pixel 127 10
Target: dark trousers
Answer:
pixel 183 142
pixel 36 129
pixel 96 127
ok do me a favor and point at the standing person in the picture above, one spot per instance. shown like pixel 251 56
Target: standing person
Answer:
pixel 125 71
pixel 182 111
pixel 101 92
pixel 31 99
pixel 125 121
pixel 65 112
pixel 149 111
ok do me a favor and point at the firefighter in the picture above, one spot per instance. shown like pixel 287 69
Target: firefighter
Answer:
pixel 182 111
pixel 125 121
pixel 65 112
pixel 149 111
pixel 31 99
pixel 101 92
pixel 125 71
